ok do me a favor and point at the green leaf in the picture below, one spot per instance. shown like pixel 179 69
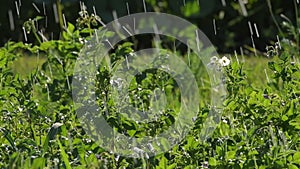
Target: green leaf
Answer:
pixel 291 109
pixel 7 135
pixel 230 155
pixel 163 163
pixel 51 135
pixel 37 18
pixel 71 27
pixel 271 65
pixel 212 161
pixel 292 166
pixel 253 152
pixel 3 60
pixel 284 118
pixel 172 166
pixel 47 45
pixel 296 158
pixel 131 132
pixel 224 130
pixel 295 122
pixel 64 155
pixel 39 162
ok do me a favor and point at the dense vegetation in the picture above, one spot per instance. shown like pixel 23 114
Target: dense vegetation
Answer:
pixel 39 127
pixel 231 22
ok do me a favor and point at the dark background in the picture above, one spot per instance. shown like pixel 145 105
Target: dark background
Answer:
pixel 232 26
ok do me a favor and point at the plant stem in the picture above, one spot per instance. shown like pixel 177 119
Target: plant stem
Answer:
pixel 273 17
pixel 297 25
pixel 60 16
pixel 34 30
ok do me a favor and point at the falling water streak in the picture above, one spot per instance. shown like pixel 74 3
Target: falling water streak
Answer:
pixel 202 83
pixel 46 21
pixel 60 35
pixel 68 82
pixel 272 136
pixel 57 58
pixel 36 24
pixel 127 6
pixel 215 28
pixel 236 57
pixel 11 20
pixel 142 106
pixel 64 20
pixel 157 38
pixel 250 28
pixel 38 59
pixel 223 2
pixel 134 25
pixel 155 96
pixel 268 80
pixel 198 2
pixel 24 32
pixel 127 63
pixel 214 77
pixel 127 30
pixel 96 34
pixel 144 3
pixel 174 46
pixel 184 103
pixel 94 10
pixel 102 23
pixel 197 41
pixel 295 59
pixel 283 138
pixel 115 16
pixel 109 43
pixel 55 13
pixel 183 2
pixel 156 30
pixel 52 35
pixel 253 45
pixel 43 37
pixel 285 17
pixel 80 4
pixel 44 8
pixel 20 3
pixel 17 8
pixel 242 53
pixel 243 8
pixel 48 92
pixel 95 13
pixel 188 54
pixel 36 8
pixel 278 41
pixel 256 30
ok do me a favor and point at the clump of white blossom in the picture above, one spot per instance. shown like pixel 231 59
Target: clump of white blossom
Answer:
pixel 215 61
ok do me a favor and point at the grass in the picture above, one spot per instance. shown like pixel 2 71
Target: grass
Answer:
pixel 255 66
pixel 26 64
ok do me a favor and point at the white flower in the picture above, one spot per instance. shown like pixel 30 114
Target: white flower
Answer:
pixel 56 125
pixel 213 59
pixel 224 61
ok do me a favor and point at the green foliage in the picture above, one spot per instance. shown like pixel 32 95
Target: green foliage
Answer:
pixel 39 128
pixel 231 25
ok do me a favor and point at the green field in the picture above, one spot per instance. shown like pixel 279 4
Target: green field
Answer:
pixel 237 111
